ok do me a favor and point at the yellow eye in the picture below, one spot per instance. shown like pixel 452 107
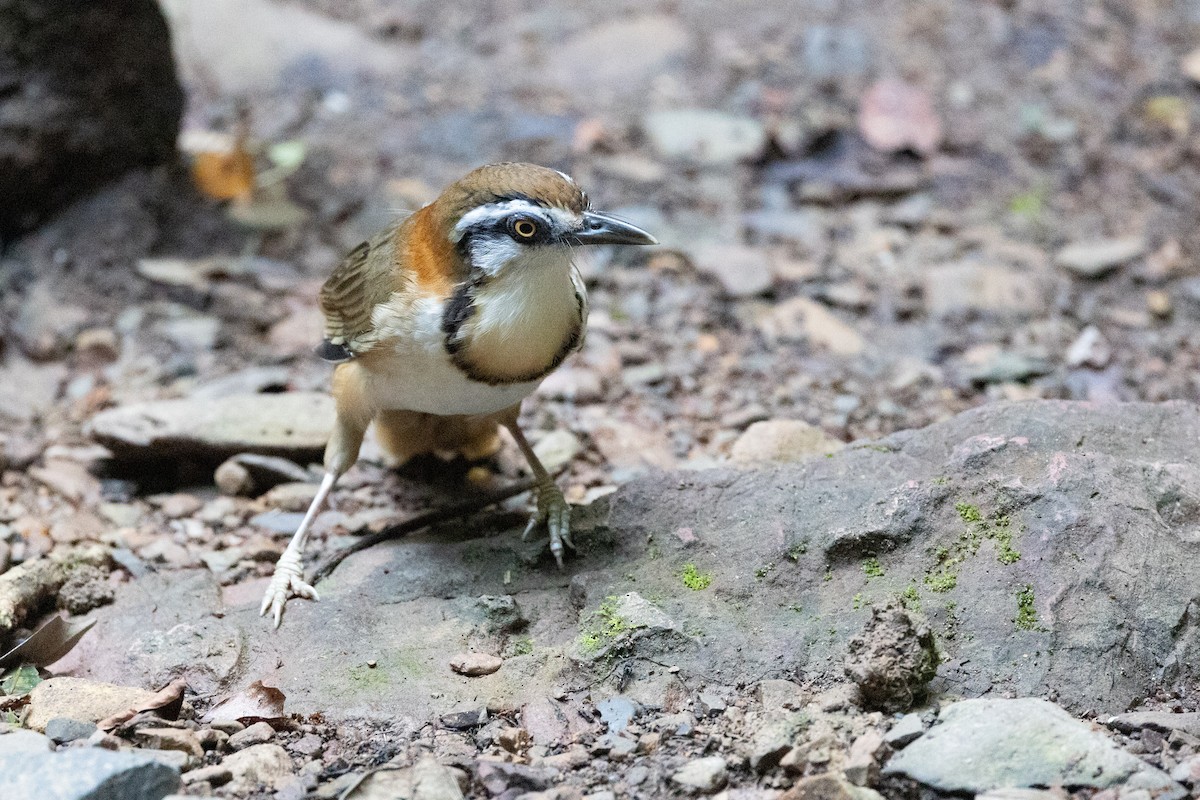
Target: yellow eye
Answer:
pixel 524 228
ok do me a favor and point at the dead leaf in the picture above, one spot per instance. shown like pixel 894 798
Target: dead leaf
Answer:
pixel 257 703
pixel 224 174
pixel 20 681
pixel 166 703
pixel 895 115
pixel 48 643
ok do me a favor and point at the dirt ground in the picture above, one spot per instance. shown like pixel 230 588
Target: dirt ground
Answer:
pixel 1031 234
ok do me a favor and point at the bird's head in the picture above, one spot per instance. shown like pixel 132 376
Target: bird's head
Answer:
pixel 504 215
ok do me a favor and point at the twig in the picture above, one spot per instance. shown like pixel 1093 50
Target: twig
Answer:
pixel 420 521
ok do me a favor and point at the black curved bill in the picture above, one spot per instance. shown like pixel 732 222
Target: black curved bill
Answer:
pixel 600 228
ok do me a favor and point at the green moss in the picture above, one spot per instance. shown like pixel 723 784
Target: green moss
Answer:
pixel 694 579
pixel 858 601
pixel 941 581
pixel 795 551
pixel 828 576
pixel 522 646
pixel 1027 619
pixel 763 572
pixel 605 625
pixel 872 568
pixel 797 608
pixel 968 512
pixel 941 480
pixel 910 598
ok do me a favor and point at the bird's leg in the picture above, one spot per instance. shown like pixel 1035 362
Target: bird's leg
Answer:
pixel 288 581
pixel 552 507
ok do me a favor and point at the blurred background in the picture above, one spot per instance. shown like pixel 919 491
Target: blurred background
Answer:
pixel 873 214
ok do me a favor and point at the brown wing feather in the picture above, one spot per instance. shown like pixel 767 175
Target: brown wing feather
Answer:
pixel 362 281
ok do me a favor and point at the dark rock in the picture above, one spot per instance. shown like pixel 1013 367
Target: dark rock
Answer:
pixel 1019 530
pixel 86 94
pixel 893 659
pixel 64 729
pixel 88 773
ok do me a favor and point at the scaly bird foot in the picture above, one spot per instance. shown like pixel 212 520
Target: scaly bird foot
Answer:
pixel 287 582
pixel 552 509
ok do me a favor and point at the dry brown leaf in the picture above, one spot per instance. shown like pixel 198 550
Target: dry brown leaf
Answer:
pixel 895 115
pixel 48 643
pixel 166 703
pixel 224 175
pixel 257 703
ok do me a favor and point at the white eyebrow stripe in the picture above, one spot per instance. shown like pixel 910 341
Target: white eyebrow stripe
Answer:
pixel 492 212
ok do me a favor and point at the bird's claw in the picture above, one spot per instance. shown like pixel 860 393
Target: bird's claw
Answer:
pixel 287 582
pixel 553 510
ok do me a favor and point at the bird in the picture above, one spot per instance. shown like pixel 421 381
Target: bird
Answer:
pixel 444 322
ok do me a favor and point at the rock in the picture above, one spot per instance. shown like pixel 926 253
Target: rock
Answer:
pixel 98 344
pixel 617 712
pixel 834 51
pixel 577 384
pixel 93 95
pixel 425 780
pixel 1008 367
pixel 619 55
pixel 179 505
pixel 800 318
pixel 773 737
pixel 828 786
pixel 44 326
pixel 981 745
pixel 1096 258
pixel 295 424
pixel 1188 722
pixel 292 496
pixel 781 441
pixel 777 694
pixel 862 763
pixel 703 136
pixel 87 587
pixel 742 271
pixel 546 722
pixel 996 290
pixel 260 764
pixel 28 390
pixel 80 699
pixel 214 775
pixel 249 46
pixel 702 775
pixel 69 479
pixel 711 704
pixel 85 773
pixel 475 664
pixel 258 733
pixel 904 731
pixel 496 776
pixel 1067 496
pixel 895 115
pixel 1091 349
pixel 233 479
pixel 557 449
pixel 893 659
pixel 178 739
pixel 14 741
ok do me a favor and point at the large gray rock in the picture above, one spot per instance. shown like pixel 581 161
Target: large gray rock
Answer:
pixel 87 92
pixel 295 424
pixel 1051 546
pixel 985 744
pixel 90 773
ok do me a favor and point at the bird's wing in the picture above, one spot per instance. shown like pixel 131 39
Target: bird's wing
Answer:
pixel 362 281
